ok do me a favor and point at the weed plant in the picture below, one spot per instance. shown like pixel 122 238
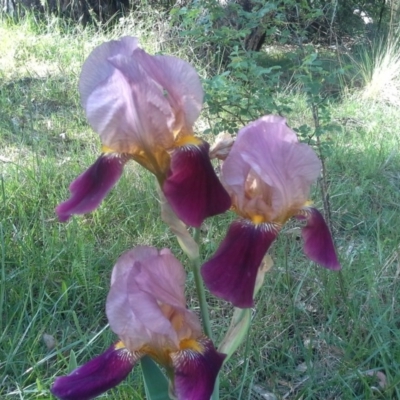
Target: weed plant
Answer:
pixel 315 335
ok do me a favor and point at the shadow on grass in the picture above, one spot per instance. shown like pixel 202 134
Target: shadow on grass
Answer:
pixel 42 115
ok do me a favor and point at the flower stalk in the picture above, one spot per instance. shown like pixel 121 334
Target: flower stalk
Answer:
pixel 201 295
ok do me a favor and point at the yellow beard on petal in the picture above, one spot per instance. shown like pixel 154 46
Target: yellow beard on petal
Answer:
pixel 156 161
pixel 105 149
pixel 162 356
pixel 191 344
pixel 257 219
pixel 187 140
pixel 119 345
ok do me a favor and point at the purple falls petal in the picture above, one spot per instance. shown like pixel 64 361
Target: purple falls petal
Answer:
pixel 89 189
pixel 318 243
pixel 231 273
pixel 97 376
pixel 192 188
pixel 196 370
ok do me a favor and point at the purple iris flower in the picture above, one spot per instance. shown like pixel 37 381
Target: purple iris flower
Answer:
pixel 144 107
pixel 268 175
pixel 146 309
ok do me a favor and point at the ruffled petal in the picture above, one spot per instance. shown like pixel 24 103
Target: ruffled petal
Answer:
pixel 97 376
pixel 123 104
pixel 137 102
pixel 180 81
pixel 146 302
pixel 267 161
pixel 140 113
pixel 231 273
pixel 318 243
pixel 91 187
pixel 192 187
pixel 97 69
pixel 196 370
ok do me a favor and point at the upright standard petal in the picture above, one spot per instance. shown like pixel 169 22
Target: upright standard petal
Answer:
pixel 318 243
pixel 96 69
pixel 181 83
pixel 97 376
pixel 192 187
pixel 267 167
pixel 196 369
pixel 231 273
pixel 138 103
pixel 146 303
pixel 91 187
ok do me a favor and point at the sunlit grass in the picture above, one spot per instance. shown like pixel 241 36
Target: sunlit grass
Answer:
pixel 315 334
pixel 379 67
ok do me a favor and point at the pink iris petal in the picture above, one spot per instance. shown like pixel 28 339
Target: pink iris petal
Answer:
pixel 192 187
pixel 137 101
pixel 97 376
pixel 179 79
pixel 318 243
pixel 231 273
pixel 146 303
pixel 92 75
pixel 91 187
pixel 267 171
pixel 130 111
pixel 196 372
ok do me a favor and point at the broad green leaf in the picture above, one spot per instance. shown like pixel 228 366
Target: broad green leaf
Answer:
pixel 155 383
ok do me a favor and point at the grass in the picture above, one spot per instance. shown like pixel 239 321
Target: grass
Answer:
pixel 379 67
pixel 315 334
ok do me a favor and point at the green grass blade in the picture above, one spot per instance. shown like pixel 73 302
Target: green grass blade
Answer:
pixel 72 361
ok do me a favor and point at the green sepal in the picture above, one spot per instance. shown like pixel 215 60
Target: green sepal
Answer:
pixel 155 383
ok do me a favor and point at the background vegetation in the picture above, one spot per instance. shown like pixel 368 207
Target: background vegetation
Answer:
pixel 315 334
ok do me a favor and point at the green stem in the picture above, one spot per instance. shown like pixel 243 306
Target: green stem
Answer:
pixel 201 294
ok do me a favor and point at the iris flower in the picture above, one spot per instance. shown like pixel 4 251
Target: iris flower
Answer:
pixel 144 107
pixel 268 174
pixel 146 309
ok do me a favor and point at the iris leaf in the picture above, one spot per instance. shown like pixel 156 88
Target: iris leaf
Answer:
pixel 155 383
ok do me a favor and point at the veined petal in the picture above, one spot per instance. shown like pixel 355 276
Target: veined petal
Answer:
pixel 146 303
pixel 180 81
pixel 231 273
pixel 192 187
pixel 96 69
pixel 123 104
pixel 318 243
pixel 97 376
pixel 141 113
pixel 91 187
pixel 196 370
pixel 268 164
pixel 137 102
